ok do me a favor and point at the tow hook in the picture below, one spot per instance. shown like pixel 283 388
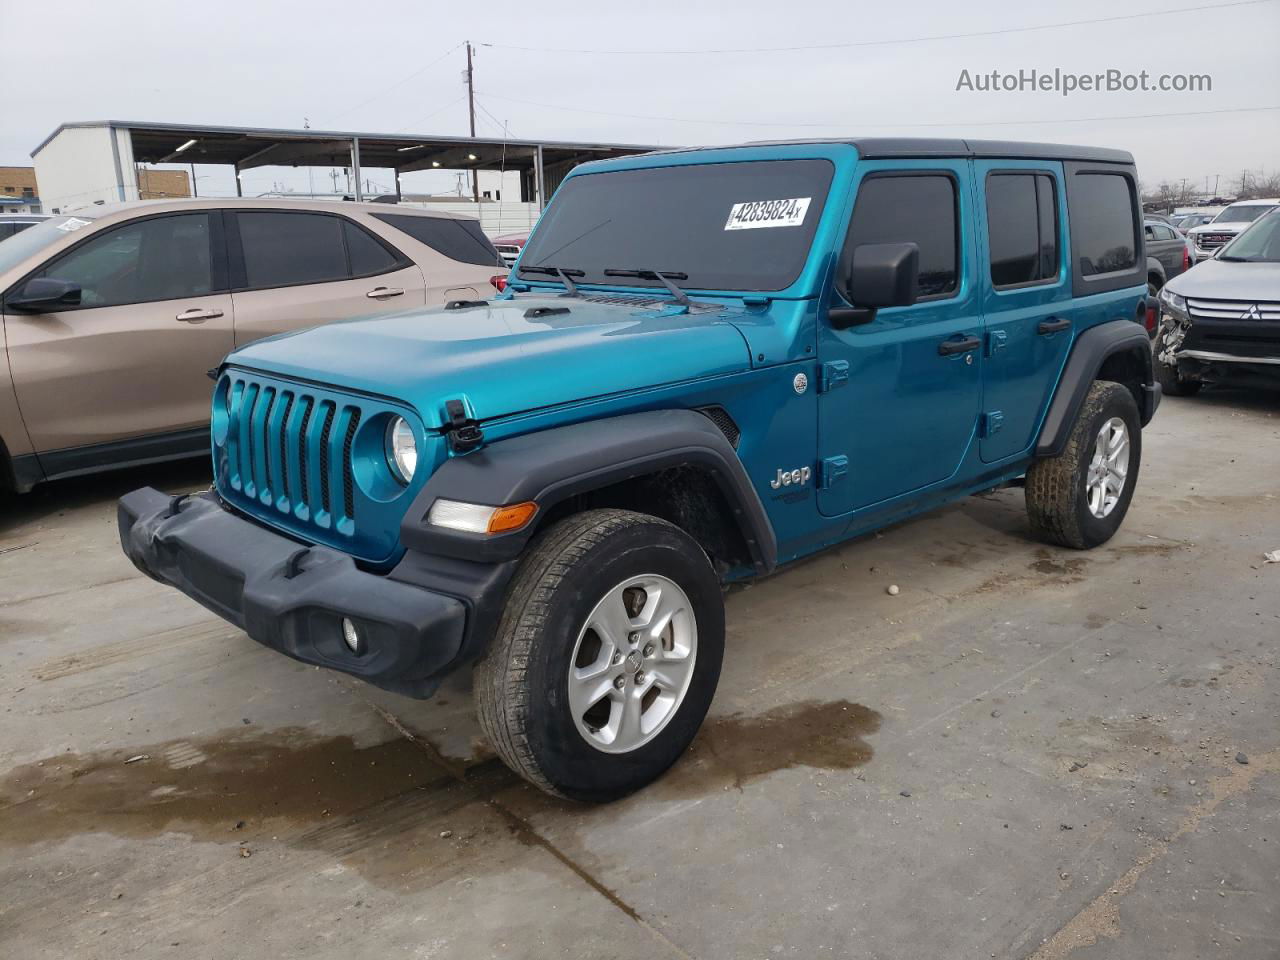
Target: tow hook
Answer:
pixel 464 432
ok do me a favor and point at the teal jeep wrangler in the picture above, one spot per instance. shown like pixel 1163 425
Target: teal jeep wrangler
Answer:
pixel 706 364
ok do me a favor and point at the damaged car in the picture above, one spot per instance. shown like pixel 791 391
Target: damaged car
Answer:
pixel 1221 320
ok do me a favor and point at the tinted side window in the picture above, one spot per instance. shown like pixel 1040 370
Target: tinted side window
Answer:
pixel 1102 223
pixel 368 255
pixel 915 209
pixel 1022 228
pixel 7 230
pixel 1164 233
pixel 281 249
pixel 456 239
pixel 165 258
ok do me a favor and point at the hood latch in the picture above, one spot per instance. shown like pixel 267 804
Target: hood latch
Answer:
pixel 464 432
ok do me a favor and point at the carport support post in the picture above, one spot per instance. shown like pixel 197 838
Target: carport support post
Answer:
pixel 398 197
pixel 539 177
pixel 355 166
pixel 239 192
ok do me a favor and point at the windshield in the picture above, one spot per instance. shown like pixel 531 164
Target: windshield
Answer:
pixel 722 226
pixel 1242 213
pixel 1260 243
pixel 26 242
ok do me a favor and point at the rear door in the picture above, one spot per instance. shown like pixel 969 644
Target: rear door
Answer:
pixel 904 417
pixel 456 257
pixel 295 269
pixel 1026 298
pixel 131 360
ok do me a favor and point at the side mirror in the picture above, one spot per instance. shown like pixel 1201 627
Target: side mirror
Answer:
pixel 878 275
pixel 44 294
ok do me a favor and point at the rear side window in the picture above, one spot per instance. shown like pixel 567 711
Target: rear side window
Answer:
pixel 281 249
pixel 460 240
pixel 1102 224
pixel 163 258
pixel 914 209
pixel 1022 228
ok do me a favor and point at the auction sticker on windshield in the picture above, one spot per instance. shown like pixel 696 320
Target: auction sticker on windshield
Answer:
pixel 767 213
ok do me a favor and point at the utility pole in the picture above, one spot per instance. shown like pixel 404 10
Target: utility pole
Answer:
pixel 471 104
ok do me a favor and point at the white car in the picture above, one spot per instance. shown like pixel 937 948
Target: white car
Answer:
pixel 1222 229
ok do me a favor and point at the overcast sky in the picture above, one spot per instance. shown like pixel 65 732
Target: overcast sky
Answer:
pixel 351 66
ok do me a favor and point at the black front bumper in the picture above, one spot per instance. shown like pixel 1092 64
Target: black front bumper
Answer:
pixel 293 597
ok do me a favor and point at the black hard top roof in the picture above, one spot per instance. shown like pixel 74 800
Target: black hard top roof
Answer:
pixel 886 148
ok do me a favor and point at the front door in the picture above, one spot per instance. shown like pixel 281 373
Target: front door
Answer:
pixel 900 394
pixel 296 269
pixel 131 360
pixel 1026 298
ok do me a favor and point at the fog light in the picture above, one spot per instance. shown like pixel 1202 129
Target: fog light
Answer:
pixel 352 636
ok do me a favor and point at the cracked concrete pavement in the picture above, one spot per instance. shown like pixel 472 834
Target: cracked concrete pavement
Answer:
pixel 1028 752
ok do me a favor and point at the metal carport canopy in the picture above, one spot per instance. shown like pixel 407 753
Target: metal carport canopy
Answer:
pixel 249 147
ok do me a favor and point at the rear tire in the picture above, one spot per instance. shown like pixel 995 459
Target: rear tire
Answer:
pixel 1072 500
pixel 606 658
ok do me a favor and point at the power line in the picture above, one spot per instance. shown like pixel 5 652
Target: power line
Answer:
pixel 428 116
pixel 392 86
pixel 879 43
pixel 500 124
pixel 904 126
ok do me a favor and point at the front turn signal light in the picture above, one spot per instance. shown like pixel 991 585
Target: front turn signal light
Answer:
pixel 481 518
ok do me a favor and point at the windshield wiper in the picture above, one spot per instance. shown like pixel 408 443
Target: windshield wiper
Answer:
pixel 561 273
pixel 666 276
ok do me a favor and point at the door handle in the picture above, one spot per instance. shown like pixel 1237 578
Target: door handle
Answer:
pixel 1053 325
pixel 197 315
pixel 951 347
pixel 382 293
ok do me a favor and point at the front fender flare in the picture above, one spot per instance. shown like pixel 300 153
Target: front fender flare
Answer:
pixel 552 465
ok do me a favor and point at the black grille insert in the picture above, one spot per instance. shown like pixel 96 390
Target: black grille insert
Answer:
pixel 348 493
pixel 324 457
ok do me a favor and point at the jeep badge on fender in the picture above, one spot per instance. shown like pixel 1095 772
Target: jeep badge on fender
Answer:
pixel 556 484
pixel 786 478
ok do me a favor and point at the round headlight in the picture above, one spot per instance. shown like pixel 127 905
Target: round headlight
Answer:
pixel 402 449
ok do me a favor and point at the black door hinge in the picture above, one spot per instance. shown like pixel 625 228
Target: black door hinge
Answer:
pixel 464 432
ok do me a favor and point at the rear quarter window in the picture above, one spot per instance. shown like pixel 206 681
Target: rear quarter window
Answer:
pixel 460 240
pixel 1106 229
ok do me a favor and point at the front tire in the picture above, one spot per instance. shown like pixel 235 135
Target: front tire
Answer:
pixel 606 658
pixel 1079 498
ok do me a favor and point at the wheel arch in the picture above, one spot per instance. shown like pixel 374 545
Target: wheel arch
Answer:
pixel 1118 350
pixel 18 474
pixel 1155 270
pixel 675 464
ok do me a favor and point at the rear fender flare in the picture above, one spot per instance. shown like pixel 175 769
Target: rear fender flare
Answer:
pixel 1088 354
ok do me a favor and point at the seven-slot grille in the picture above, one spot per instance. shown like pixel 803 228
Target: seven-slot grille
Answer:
pixel 1202 309
pixel 290 449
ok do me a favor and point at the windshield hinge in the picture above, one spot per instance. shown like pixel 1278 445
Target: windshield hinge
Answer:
pixel 464 432
pixel 832 374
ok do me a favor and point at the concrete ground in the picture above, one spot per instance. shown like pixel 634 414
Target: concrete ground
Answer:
pixel 1029 752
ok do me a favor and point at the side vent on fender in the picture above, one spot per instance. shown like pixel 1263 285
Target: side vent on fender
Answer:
pixel 720 417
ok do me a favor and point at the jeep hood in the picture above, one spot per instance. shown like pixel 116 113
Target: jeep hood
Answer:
pixel 504 357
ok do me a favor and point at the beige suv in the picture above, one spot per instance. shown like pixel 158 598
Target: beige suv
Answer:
pixel 112 316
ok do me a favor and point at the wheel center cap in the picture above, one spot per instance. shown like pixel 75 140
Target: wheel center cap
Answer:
pixel 634 660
